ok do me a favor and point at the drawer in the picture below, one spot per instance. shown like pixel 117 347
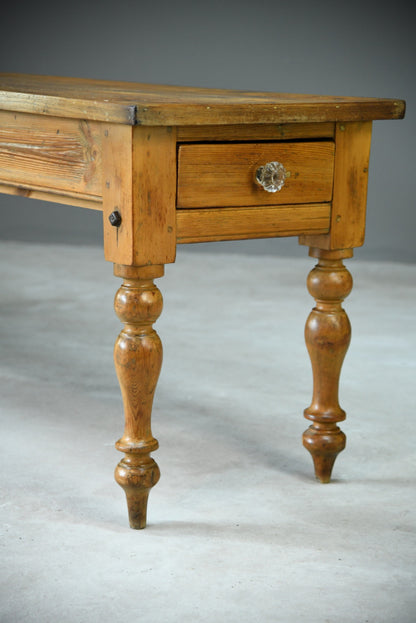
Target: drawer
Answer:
pixel 224 175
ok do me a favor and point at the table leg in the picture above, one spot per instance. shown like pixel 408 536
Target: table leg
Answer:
pixel 138 360
pixel 327 335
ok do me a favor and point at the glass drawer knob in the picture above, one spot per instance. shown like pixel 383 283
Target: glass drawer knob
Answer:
pixel 271 176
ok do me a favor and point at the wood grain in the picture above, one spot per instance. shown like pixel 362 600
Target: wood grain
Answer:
pixel 47 194
pixel 117 192
pixel 214 224
pixel 146 104
pixel 48 153
pixel 139 182
pixel 348 215
pixel 138 360
pixel 327 336
pixel 257 132
pixel 221 175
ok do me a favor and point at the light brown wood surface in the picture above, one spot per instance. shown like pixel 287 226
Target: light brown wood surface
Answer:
pixel 255 132
pixel 208 225
pixel 327 336
pixel 348 214
pixel 138 360
pixel 139 181
pixel 224 174
pixel 147 104
pixel 31 191
pixel 169 164
pixel 51 154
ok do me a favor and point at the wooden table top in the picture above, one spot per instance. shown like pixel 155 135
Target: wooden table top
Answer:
pixel 146 104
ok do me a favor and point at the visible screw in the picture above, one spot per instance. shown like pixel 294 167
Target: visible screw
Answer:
pixel 115 218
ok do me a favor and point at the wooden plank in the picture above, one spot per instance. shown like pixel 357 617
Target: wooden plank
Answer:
pixel 117 157
pixel 144 104
pixel 139 182
pixel 223 175
pixel 50 152
pixel 282 110
pixel 207 225
pixel 154 188
pixel 348 214
pixel 258 132
pixel 35 192
pixel 68 107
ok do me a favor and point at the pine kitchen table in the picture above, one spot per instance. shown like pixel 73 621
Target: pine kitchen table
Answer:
pixel 170 165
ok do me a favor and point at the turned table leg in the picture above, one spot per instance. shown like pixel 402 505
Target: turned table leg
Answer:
pixel 327 335
pixel 138 360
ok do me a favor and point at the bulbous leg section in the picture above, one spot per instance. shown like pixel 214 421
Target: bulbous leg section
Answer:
pixel 324 444
pixel 138 361
pixel 327 336
pixel 137 475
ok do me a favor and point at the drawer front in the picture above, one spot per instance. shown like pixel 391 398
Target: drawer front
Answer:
pixel 224 175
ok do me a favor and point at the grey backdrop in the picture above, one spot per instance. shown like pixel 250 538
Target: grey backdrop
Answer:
pixel 336 48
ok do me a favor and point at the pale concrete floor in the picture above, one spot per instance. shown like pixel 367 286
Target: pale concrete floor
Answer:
pixel 239 531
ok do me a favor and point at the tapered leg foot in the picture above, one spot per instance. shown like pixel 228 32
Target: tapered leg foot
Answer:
pixel 138 360
pixel 137 478
pixel 327 336
pixel 324 444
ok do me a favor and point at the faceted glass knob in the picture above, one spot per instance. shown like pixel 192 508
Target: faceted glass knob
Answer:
pixel 271 176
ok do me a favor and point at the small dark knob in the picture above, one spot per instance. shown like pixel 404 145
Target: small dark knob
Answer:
pixel 115 218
